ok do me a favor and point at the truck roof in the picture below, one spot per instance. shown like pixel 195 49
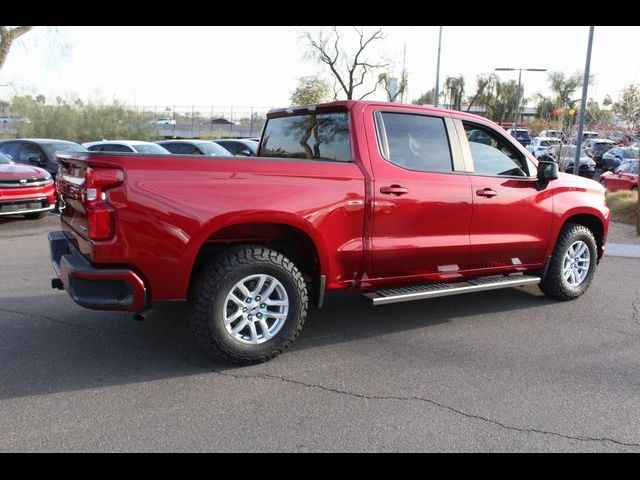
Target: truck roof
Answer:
pixel 350 104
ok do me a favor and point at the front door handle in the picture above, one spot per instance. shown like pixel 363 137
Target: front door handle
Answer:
pixel 394 190
pixel 486 192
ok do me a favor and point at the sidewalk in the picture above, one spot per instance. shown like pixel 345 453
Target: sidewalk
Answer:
pixel 622 241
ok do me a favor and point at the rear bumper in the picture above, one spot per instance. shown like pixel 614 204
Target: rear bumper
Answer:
pixel 90 287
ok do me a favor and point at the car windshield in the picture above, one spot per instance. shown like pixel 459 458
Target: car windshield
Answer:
pixel 51 148
pixel 151 148
pixel 4 160
pixel 629 153
pixel 211 148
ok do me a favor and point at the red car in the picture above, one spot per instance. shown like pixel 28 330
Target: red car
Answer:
pixel 395 202
pixel 25 190
pixel 625 177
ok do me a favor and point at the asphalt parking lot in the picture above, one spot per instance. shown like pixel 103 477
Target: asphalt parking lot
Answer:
pixel 497 371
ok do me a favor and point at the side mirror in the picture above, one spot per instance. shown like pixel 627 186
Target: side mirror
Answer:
pixel 547 171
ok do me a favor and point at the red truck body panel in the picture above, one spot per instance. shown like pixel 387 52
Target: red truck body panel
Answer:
pixel 441 229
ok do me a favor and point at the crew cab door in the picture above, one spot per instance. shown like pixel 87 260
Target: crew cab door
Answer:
pixel 421 196
pixel 511 219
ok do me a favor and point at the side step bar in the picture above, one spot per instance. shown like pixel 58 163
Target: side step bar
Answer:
pixel 432 290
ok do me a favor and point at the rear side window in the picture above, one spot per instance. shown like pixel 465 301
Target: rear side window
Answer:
pixel 416 142
pixel 317 136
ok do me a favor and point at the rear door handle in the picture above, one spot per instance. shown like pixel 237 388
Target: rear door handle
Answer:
pixel 486 192
pixel 394 190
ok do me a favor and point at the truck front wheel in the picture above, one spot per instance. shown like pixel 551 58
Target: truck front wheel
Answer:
pixel 248 304
pixel 572 265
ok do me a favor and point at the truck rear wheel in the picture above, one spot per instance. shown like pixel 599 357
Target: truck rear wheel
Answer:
pixel 248 304
pixel 572 265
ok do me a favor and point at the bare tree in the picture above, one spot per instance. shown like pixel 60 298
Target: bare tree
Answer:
pixel 7 37
pixel 349 69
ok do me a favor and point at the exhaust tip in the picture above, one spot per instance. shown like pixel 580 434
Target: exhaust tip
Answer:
pixel 142 315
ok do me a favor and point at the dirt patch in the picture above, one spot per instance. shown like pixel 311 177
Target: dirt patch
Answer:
pixel 623 233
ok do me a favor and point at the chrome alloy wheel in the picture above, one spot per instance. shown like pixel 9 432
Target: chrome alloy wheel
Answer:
pixel 576 262
pixel 255 309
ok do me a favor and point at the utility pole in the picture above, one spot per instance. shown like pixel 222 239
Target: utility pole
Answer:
pixel 583 104
pixel 436 99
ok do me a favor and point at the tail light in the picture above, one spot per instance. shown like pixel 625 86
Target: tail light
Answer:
pixel 101 215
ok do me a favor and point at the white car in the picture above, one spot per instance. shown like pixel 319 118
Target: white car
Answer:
pixel 163 121
pixel 553 134
pixel 540 145
pixel 125 146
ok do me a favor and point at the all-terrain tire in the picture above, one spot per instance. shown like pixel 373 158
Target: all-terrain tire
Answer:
pixel 555 284
pixel 209 302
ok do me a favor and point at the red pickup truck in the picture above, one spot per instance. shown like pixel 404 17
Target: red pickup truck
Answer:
pixel 397 202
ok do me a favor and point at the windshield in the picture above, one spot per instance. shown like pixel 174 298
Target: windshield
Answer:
pixel 151 148
pixel 51 148
pixel 630 153
pixel 211 148
pixel 4 160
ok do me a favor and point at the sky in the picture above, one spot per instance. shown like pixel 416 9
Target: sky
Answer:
pixel 259 66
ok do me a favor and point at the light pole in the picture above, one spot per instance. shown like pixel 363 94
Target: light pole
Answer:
pixel 515 118
pixel 583 103
pixel 436 99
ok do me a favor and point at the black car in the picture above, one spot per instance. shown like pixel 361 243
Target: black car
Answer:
pixel 616 156
pixel 195 147
pixel 597 147
pixel 38 151
pixel 240 146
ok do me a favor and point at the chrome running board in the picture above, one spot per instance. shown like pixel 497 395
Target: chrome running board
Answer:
pixel 432 290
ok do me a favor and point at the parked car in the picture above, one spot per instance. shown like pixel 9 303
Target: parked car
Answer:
pixel 388 200
pixel 554 134
pixel 38 151
pixel 565 155
pixel 239 146
pixel 13 119
pixel 596 147
pixel 521 135
pixel 163 121
pixel 125 146
pixel 540 145
pixel 220 121
pixel 625 177
pixel 25 190
pixel 613 158
pixel 195 147
pixel 478 136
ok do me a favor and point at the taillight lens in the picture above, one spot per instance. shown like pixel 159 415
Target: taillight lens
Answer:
pixel 100 215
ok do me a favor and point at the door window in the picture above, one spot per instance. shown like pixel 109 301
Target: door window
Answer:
pixel 493 155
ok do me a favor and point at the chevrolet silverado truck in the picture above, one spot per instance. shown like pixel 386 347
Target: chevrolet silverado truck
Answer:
pixel 394 202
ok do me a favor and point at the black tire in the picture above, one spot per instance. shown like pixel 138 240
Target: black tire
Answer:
pixel 215 281
pixel 35 216
pixel 554 284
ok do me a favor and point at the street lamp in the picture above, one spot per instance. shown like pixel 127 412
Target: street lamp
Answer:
pixel 515 119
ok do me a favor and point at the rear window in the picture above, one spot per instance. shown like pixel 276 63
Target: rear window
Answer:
pixel 317 136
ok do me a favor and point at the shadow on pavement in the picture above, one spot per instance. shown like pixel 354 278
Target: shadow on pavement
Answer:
pixel 62 347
